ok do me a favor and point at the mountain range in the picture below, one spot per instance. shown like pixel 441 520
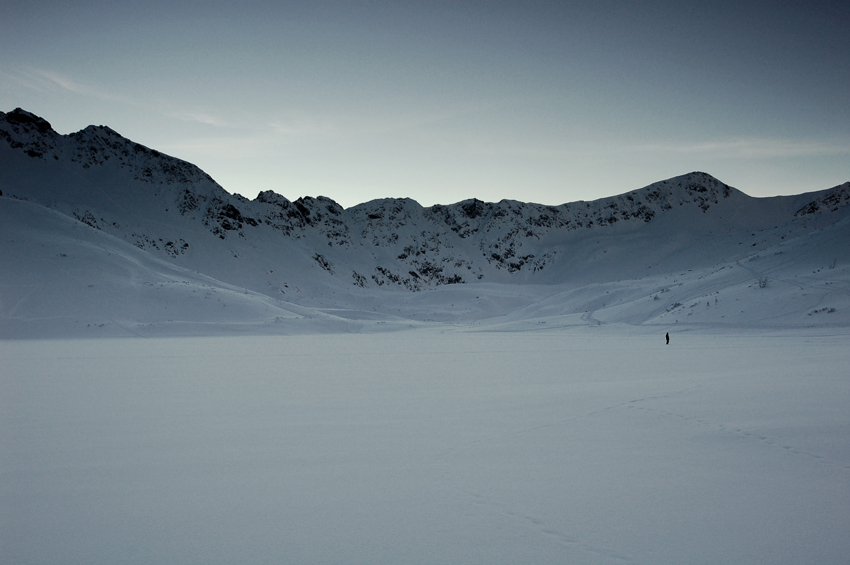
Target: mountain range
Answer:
pixel 104 236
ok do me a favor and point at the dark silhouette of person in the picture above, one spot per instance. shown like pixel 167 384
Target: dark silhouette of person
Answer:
pixel 668 339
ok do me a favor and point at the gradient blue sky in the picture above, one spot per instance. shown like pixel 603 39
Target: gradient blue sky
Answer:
pixel 547 102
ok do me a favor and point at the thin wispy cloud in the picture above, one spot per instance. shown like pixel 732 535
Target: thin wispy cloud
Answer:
pixel 55 80
pixel 43 81
pixel 321 125
pixel 27 81
pixel 764 148
pixel 217 147
pixel 755 148
pixel 304 127
pixel 197 117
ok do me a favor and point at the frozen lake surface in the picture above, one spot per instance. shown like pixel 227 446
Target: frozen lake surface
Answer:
pixel 588 445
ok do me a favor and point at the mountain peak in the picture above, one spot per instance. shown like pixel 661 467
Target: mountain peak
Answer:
pixel 100 131
pixel 831 200
pixel 27 119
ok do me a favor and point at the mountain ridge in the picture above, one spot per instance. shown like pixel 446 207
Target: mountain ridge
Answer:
pixel 271 245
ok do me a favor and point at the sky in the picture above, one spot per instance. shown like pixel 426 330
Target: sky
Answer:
pixel 538 101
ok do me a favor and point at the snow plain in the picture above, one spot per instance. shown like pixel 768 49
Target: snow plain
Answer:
pixel 171 393
pixel 591 444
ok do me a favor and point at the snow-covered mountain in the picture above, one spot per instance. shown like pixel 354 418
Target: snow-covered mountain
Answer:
pixel 90 209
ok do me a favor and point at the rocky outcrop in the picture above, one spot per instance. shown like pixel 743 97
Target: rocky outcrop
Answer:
pixel 834 200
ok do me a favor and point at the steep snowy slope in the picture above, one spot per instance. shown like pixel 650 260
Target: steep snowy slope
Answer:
pixel 62 277
pixel 314 253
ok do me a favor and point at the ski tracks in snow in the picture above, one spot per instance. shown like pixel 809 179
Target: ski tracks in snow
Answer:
pixel 546 531
pixel 746 433
pixel 749 434
pixel 541 526
pixel 556 533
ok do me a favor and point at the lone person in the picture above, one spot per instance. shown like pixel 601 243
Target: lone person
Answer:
pixel 668 338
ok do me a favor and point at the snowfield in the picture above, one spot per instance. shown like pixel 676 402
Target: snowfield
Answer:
pixel 187 376
pixel 435 445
